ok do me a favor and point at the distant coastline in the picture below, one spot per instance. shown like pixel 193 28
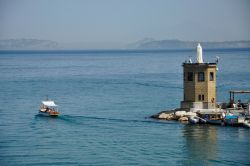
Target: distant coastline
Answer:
pixel 178 44
pixel 140 46
pixel 113 51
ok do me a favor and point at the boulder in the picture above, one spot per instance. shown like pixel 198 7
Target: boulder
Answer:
pixel 180 113
pixel 190 114
pixel 183 118
pixel 165 116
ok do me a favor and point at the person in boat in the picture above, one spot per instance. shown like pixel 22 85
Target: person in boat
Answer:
pixel 223 114
pixel 232 104
pixel 48 109
pixel 239 104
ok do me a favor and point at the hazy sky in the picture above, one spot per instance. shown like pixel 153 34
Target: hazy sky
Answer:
pixel 125 21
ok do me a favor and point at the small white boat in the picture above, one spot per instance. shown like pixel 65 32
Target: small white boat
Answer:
pixel 48 108
pixel 231 120
pixel 193 119
pixel 211 117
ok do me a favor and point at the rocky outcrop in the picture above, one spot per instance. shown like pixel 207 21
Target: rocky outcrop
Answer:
pixel 166 116
pixel 180 114
pixel 177 114
pixel 184 118
pixel 190 114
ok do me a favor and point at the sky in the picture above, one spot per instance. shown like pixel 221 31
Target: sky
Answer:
pixel 125 21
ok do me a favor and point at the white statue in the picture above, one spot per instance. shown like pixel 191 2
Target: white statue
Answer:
pixel 199 54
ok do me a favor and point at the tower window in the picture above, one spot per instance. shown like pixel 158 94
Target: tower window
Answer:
pixel 190 76
pixel 211 76
pixel 201 97
pixel 201 76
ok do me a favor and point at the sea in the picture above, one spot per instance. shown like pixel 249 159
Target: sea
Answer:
pixel 105 99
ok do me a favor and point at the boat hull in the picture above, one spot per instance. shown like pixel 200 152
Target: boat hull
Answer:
pixel 193 120
pixel 246 123
pixel 216 122
pixel 231 120
pixel 55 114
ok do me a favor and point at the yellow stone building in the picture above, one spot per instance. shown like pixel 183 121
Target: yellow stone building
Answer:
pixel 199 81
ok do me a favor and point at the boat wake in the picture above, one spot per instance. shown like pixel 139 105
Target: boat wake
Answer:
pixel 95 121
pixel 81 119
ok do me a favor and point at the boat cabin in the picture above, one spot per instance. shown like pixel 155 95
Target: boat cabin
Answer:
pixel 48 106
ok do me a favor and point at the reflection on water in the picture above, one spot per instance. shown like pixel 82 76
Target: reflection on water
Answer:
pixel 201 143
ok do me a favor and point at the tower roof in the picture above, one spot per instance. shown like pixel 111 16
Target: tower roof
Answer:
pixel 200 64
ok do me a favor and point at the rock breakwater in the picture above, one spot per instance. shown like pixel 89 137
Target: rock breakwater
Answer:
pixel 177 114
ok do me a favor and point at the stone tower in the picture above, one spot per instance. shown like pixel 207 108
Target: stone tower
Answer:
pixel 199 83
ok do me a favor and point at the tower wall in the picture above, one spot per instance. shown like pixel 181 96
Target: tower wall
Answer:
pixel 199 85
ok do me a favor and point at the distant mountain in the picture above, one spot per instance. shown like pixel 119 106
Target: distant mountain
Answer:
pixel 147 43
pixel 27 44
pixel 37 44
pixel 178 44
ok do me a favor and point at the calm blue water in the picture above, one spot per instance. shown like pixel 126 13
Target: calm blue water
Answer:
pixel 104 97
